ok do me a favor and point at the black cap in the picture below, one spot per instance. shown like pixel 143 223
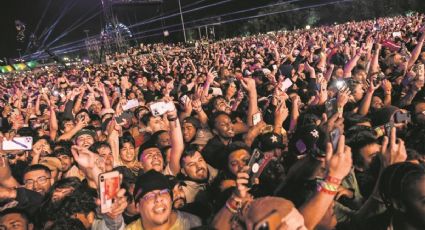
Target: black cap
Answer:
pixel 270 141
pixel 85 131
pixel 150 181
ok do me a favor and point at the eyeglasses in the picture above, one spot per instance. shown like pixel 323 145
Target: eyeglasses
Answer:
pixel 41 181
pixel 154 195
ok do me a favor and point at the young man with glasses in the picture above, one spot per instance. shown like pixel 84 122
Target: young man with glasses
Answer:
pixel 38 178
pixel 153 199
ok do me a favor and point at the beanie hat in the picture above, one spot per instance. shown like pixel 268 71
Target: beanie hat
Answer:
pixel 148 182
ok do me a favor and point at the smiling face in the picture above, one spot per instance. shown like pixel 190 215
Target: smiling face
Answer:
pixel 127 153
pixel 223 127
pixel 195 167
pixel 152 159
pixel 189 132
pixel 39 181
pixel 85 141
pixel 155 208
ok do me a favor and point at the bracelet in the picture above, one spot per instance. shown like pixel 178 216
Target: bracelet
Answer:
pixel 231 209
pixel 321 189
pixel 327 188
pixel 333 180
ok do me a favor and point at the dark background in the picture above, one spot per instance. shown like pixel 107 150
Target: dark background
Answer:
pixel 30 12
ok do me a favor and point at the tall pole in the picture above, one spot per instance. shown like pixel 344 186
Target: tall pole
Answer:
pixel 181 17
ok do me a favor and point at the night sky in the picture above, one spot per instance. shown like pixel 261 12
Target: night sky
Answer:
pixel 30 12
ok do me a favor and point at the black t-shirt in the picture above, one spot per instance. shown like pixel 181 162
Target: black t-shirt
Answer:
pixel 215 153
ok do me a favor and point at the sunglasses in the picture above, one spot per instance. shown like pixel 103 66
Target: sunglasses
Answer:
pixel 11 156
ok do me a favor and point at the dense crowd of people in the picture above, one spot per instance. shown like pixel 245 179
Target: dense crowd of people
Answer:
pixel 307 129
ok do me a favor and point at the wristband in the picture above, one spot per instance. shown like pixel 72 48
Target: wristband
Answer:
pixel 328 186
pixel 333 180
pixel 230 208
pixel 321 189
pixel 340 110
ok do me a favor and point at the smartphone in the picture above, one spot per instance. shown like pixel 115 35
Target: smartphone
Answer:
pixel 330 107
pixel 216 91
pixel 126 115
pixel 285 84
pixel 400 117
pixel 397 34
pixel 160 108
pixel 18 143
pixel 254 166
pixel 388 128
pixel 131 104
pixel 183 99
pixel 109 185
pixel 301 147
pixel 334 135
pixel 341 85
pixel 256 118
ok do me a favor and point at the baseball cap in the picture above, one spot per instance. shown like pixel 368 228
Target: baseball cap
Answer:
pixel 270 141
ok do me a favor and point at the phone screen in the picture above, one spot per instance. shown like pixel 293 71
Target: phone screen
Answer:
pixel 256 118
pixel 109 185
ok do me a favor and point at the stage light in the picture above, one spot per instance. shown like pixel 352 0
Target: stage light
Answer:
pixel 307 27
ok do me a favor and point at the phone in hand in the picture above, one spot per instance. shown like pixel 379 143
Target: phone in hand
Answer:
pixel 330 107
pixel 285 84
pixel 109 185
pixel 397 34
pixel 253 166
pixel 18 143
pixel 160 108
pixel 183 99
pixel 216 91
pixel 334 135
pixel 131 104
pixel 126 115
pixel 256 118
pixel 402 117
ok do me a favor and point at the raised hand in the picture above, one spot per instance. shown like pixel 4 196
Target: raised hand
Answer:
pixel 248 84
pixel 338 162
pixel 211 75
pixel 394 150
